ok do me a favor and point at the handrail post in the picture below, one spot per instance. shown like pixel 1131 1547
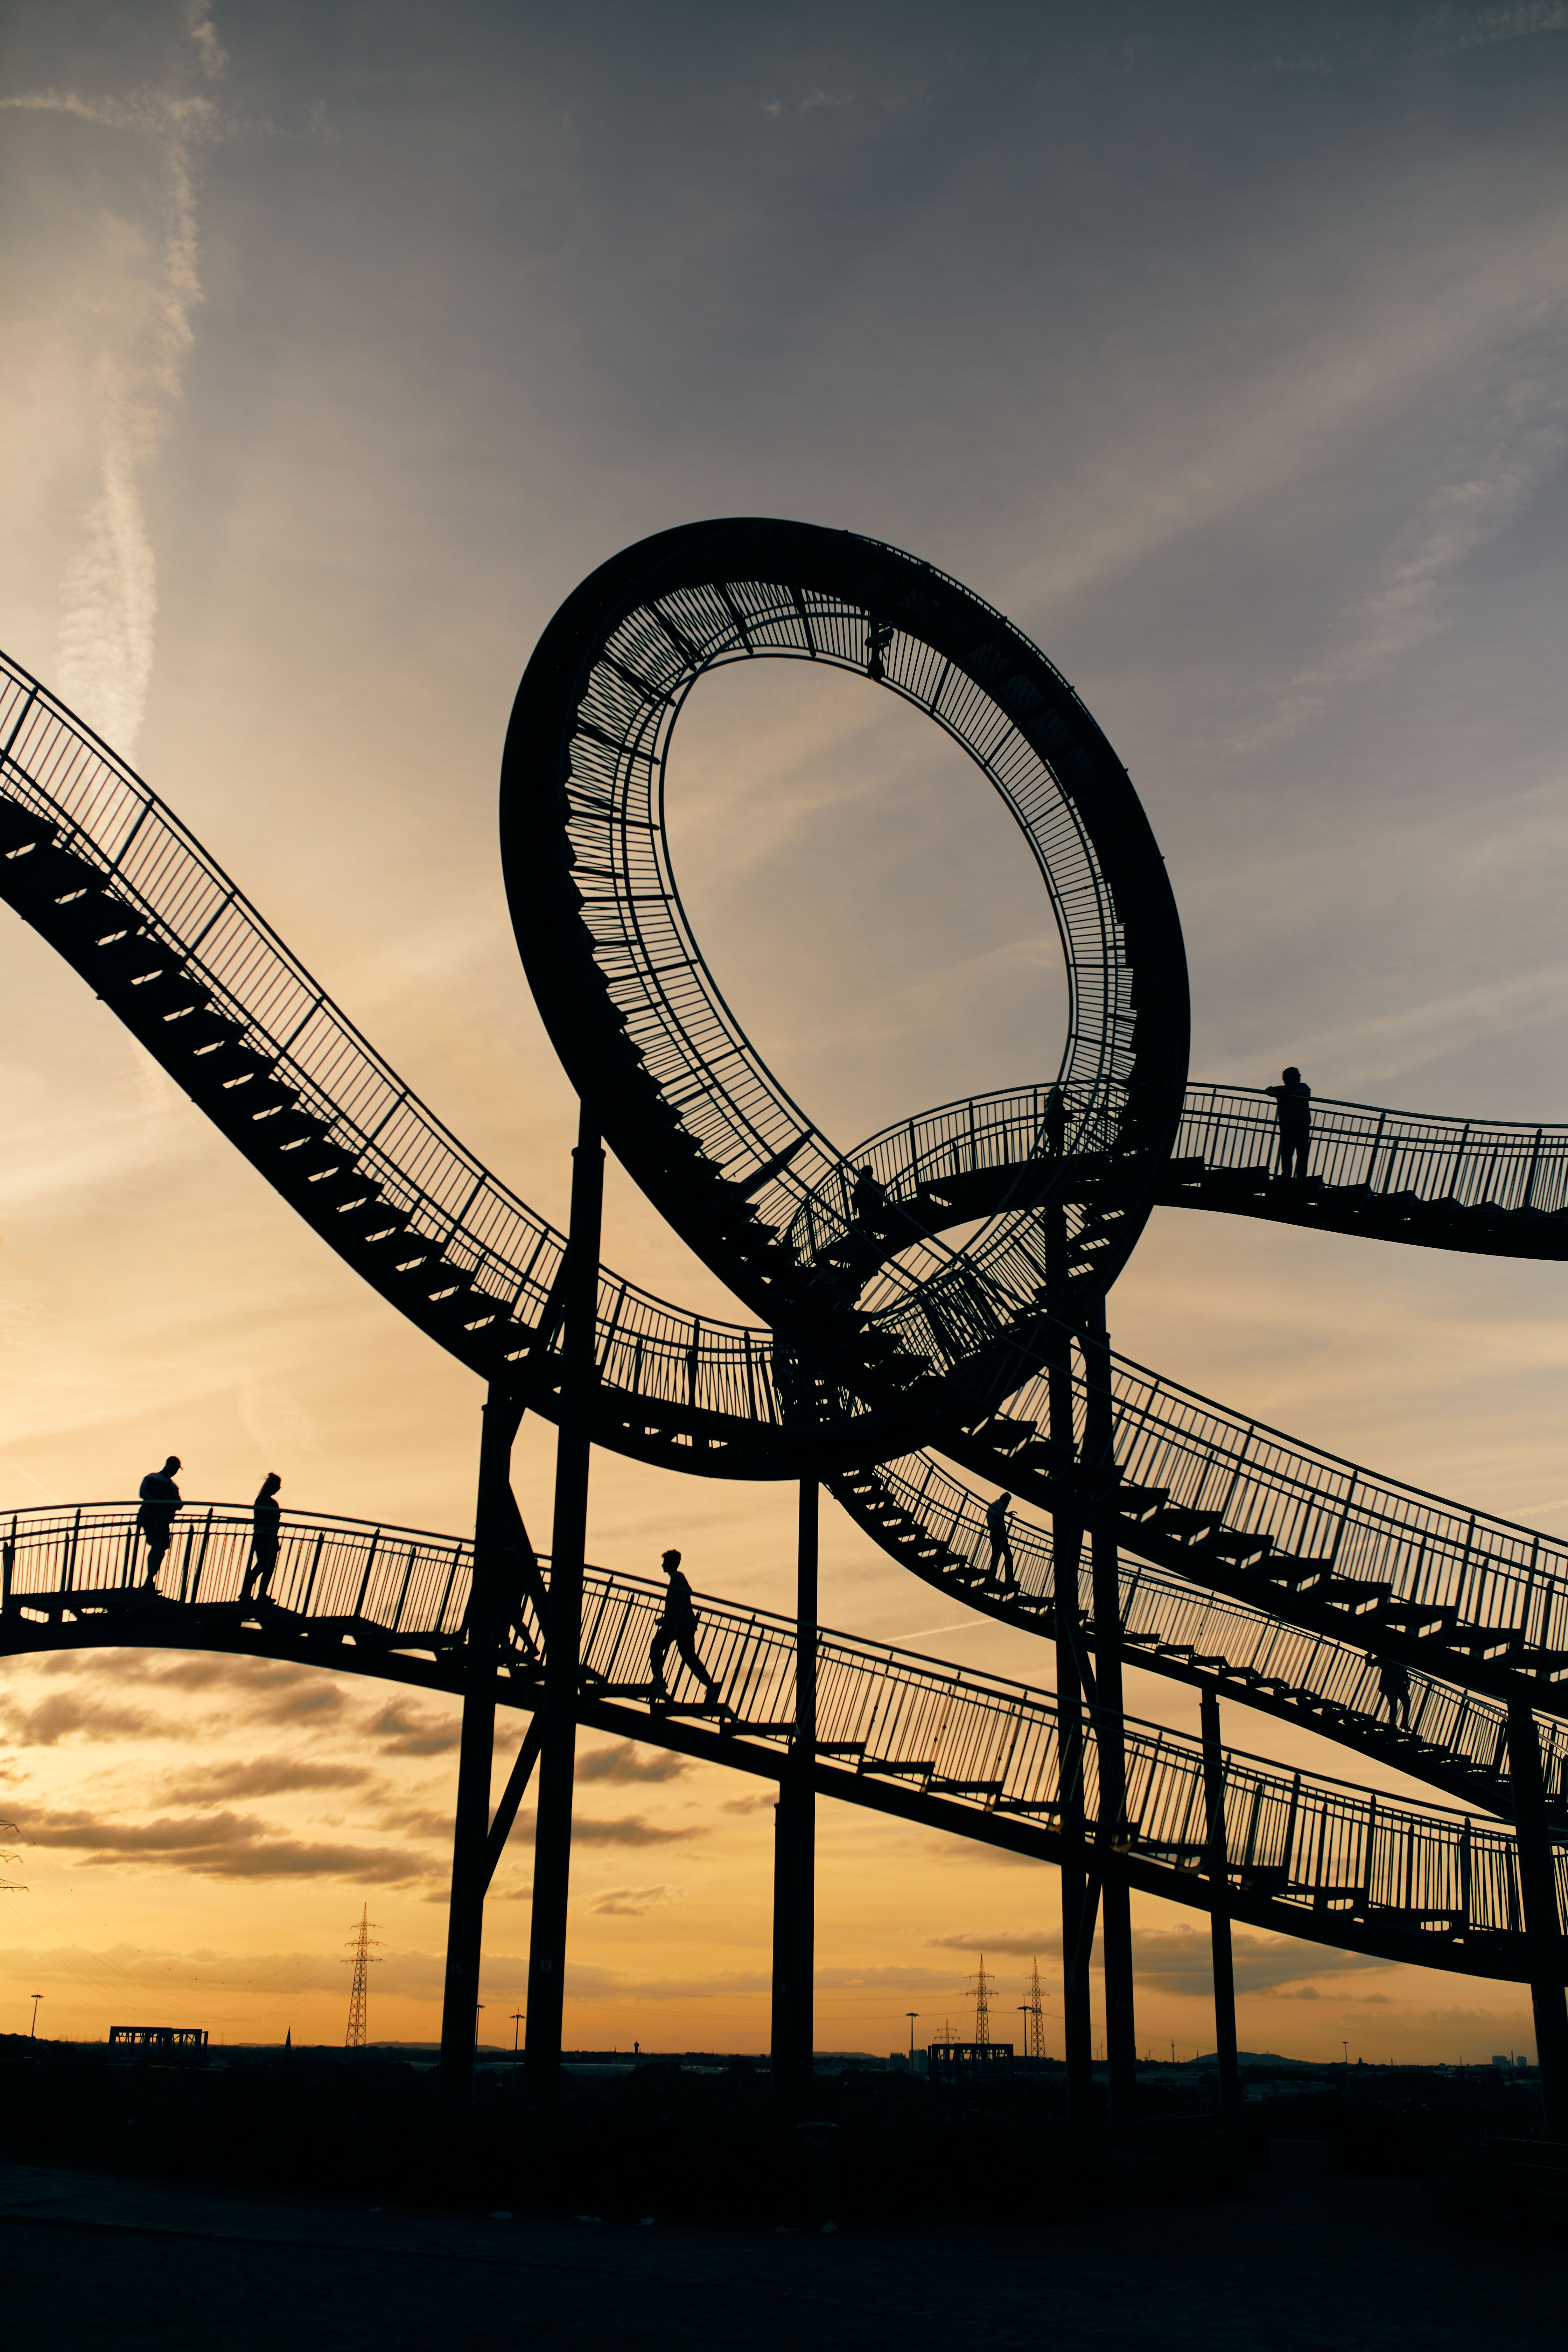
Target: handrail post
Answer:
pixel 1542 1923
pixel 563 1626
pixel 1219 1917
pixel 489 1591
pixel 794 1836
pixel 1116 1916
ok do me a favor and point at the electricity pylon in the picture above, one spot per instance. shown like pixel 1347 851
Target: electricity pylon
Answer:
pixel 982 1988
pixel 1034 2017
pixel 361 1941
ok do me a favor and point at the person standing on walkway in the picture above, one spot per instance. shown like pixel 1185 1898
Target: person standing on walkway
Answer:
pixel 155 1520
pixel 1394 1684
pixel 266 1527
pixel 676 1627
pixel 998 1526
pixel 1293 1110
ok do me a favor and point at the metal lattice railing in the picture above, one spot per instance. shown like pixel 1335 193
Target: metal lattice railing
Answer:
pixel 1324 1679
pixel 1317 1846
pixel 1453 1163
pixel 108 817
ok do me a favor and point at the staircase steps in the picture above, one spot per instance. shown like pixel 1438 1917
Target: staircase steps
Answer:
pixel 1187 1526
pixel 1432 1623
pixel 1285 1567
pixel 1355 1594
pixel 1242 1550
pixel 1138 1502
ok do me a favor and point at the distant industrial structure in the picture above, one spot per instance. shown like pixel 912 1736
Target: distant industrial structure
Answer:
pixel 361 1959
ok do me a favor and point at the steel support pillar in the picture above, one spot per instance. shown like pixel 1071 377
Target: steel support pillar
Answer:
pixel 1067 1547
pixel 564 1624
pixel 795 1835
pixel 1216 1862
pixel 1542 1914
pixel 492 1597
pixel 1116 1916
pixel 1078 1931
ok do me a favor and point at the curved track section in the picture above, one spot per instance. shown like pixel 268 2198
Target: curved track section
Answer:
pixel 1447 1183
pixel 1457 1739
pixel 979 1757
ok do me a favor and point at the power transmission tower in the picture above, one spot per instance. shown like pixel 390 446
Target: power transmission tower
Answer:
pixel 361 1941
pixel 1034 2017
pixel 984 1985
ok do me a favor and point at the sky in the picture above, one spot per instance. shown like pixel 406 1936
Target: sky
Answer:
pixel 1223 348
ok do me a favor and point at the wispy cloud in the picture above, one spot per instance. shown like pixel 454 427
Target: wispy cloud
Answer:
pixel 632 1902
pixel 625 1761
pixel 1483 28
pixel 215 1845
pixel 108 592
pixel 1407 600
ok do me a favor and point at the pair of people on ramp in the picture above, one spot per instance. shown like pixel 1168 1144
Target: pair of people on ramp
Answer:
pixel 160 1504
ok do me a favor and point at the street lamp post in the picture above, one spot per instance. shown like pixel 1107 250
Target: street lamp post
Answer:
pixel 37 1997
pixel 517 2016
pixel 912 2014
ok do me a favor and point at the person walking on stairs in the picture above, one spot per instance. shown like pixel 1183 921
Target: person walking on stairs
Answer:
pixel 1293 1112
pixel 998 1526
pixel 676 1628
pixel 266 1527
pixel 1393 1685
pixel 155 1520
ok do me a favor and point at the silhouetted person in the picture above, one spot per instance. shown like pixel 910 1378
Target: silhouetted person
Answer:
pixel 1293 1110
pixel 159 1501
pixel 1393 1683
pixel 869 1198
pixel 998 1526
pixel 266 1527
pixel 677 1627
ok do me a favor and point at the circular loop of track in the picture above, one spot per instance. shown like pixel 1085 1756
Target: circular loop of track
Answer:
pixel 853 1279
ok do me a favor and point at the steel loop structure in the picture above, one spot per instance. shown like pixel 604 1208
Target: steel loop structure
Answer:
pixel 912 1370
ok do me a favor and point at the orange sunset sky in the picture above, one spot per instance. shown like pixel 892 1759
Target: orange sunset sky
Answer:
pixel 1223 350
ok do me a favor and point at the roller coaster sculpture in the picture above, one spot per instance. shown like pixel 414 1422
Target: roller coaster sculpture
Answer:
pixel 908 1372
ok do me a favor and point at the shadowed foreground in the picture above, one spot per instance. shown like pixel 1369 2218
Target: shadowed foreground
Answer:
pixel 90 2261
pixel 673 2209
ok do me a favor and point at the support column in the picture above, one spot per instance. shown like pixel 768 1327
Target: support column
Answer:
pixel 491 1597
pixel 563 1625
pixel 1543 1916
pixel 1219 1921
pixel 1067 1547
pixel 795 1835
pixel 1077 1930
pixel 1116 1915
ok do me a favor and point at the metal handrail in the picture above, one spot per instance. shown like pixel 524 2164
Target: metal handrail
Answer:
pixel 1317 1846
pixel 1171 1626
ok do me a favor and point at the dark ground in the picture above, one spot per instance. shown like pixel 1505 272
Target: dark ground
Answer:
pixel 92 2261
pixel 141 2206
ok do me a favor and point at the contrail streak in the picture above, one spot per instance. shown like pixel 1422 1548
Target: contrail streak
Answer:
pixel 108 591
